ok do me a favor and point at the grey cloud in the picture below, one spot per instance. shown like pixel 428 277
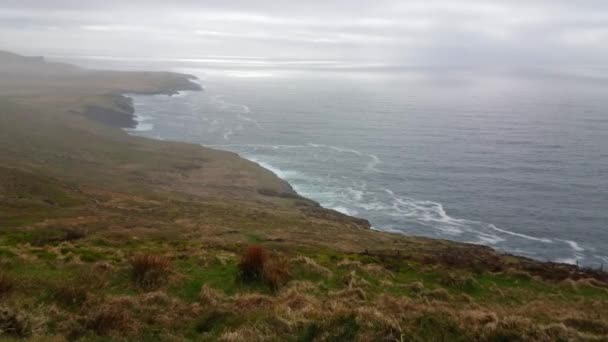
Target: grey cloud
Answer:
pixel 389 31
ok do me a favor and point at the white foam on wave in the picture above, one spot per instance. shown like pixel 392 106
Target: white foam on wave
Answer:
pixel 574 245
pixel 355 194
pixel 356 199
pixel 248 119
pixel 428 213
pixel 227 134
pixel 225 105
pixel 489 239
pixel 370 166
pixel 570 261
pixel 577 250
pixel 344 210
pixel 256 146
pixel 434 215
pixel 544 240
pixel 283 174
pixel 337 149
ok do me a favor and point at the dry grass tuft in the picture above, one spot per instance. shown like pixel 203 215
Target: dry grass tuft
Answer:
pixel 378 321
pixel 477 317
pixel 461 282
pixel 416 287
pixel 437 294
pixel 313 266
pixel 302 286
pixel 351 294
pixel 249 302
pixel 557 332
pixel 112 317
pixel 295 306
pixel 513 328
pixel 353 280
pixel 156 298
pixel 210 297
pixel 241 335
pixel 350 264
pixel 149 271
pixel 587 325
pixel 377 270
pixel 275 273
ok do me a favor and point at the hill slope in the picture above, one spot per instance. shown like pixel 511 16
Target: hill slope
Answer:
pixel 106 234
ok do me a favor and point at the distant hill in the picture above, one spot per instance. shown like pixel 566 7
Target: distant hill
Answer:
pixel 11 63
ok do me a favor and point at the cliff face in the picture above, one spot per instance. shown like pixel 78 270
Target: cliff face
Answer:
pixel 106 234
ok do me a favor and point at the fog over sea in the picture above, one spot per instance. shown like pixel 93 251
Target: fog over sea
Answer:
pixel 516 159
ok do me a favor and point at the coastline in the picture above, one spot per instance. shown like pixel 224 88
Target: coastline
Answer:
pixel 121 114
pixel 82 202
pixel 294 194
pixel 114 109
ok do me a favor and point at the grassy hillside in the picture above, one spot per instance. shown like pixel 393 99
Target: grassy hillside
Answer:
pixel 105 236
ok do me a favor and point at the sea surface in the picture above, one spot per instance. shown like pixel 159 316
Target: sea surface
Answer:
pixel 516 159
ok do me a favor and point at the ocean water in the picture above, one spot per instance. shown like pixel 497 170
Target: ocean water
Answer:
pixel 513 159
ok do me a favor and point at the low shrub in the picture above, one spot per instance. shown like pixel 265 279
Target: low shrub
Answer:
pixel 149 271
pixel 251 267
pixel 257 265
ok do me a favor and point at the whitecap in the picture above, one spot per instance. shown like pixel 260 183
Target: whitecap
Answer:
pixel 355 194
pixel 489 239
pixel 575 246
pixel 545 240
pixel 371 166
pixel 248 119
pixel 335 148
pixel 344 210
pixel 227 134
pixel 283 174
pixel 570 261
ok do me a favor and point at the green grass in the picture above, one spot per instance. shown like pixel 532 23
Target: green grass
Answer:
pixel 90 255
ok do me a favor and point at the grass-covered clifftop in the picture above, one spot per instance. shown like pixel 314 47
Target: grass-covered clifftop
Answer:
pixel 106 236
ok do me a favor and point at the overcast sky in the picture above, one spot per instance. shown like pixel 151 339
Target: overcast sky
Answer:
pixel 450 32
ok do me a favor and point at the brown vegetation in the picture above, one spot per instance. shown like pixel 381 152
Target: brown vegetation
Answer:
pixel 6 284
pixel 257 265
pixel 149 271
